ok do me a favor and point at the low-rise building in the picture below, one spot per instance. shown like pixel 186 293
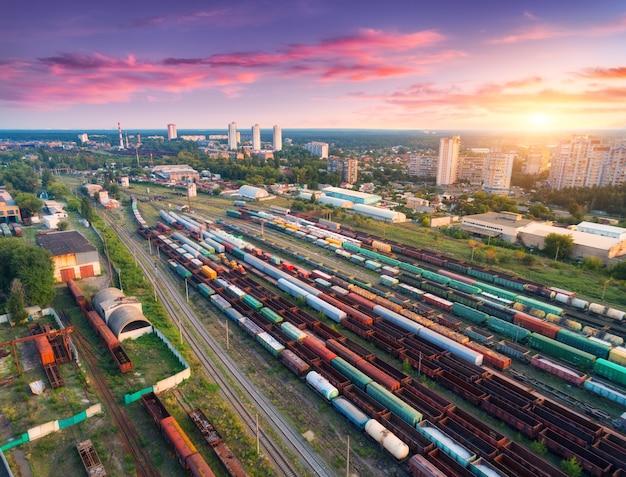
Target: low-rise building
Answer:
pixel 352 195
pixel 602 229
pixel 504 225
pixel 9 211
pixel 73 256
pixel 179 172
pixel 585 244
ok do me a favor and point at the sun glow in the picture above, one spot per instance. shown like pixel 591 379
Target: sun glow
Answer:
pixel 540 120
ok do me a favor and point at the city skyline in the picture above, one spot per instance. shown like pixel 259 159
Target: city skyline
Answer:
pixel 410 65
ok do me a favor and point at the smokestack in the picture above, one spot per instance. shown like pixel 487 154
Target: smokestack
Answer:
pixel 119 131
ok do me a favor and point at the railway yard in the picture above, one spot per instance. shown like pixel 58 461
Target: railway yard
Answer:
pixel 315 332
pixel 382 333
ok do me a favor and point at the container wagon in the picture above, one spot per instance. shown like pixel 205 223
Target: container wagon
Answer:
pixel 186 453
pixel 90 459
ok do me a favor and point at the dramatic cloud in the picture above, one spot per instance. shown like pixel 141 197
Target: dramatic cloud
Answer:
pixel 538 31
pixel 519 98
pixel 606 73
pixel 69 78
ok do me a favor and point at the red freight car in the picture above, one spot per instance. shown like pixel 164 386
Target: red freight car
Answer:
pixel 536 325
pixel 568 374
pixel 436 301
pixel 174 435
pixel 317 347
pixel 361 301
pixel 294 363
pixel 420 467
pixel 76 293
pixel 100 327
pixel 497 360
pixel 44 348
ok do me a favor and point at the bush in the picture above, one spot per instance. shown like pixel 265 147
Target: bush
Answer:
pixel 592 263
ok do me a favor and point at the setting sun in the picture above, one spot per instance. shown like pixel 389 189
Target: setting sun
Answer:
pixel 540 119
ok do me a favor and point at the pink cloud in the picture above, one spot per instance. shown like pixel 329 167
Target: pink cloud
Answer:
pixel 506 98
pixel 547 31
pixel 69 78
pixel 606 73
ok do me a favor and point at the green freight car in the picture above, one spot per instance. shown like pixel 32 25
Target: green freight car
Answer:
pixel 583 343
pixel 356 377
pixel 507 329
pixel 583 360
pixel 394 403
pixel 611 371
pixel 468 313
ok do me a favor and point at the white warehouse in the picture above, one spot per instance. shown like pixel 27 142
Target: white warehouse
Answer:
pixel 251 192
pixel 378 213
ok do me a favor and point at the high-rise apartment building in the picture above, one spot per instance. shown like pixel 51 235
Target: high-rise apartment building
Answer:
pixel 498 169
pixel 277 143
pixel 422 166
pixel 171 131
pixel 256 138
pixel 448 165
pixel 232 136
pixel 575 163
pixel 348 169
pixel 537 159
pixel 472 169
pixel 318 148
pixel 614 168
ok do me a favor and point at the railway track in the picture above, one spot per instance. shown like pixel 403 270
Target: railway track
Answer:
pixel 199 340
pixel 129 436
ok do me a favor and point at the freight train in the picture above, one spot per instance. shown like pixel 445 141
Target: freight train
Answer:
pixel 115 349
pixel 501 398
pixel 367 245
pixel 504 311
pixel 186 453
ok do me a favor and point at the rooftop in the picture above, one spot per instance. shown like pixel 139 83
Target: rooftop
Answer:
pixel 6 197
pixel 64 243
pixel 580 238
pixel 508 219
pixel 353 193
pixel 602 227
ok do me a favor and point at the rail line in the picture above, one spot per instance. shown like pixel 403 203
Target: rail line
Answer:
pixel 128 433
pixel 199 339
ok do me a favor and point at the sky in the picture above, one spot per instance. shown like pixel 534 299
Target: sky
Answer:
pixel 396 64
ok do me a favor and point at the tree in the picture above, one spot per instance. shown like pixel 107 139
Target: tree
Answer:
pixel 558 246
pixel 86 210
pixel 21 177
pixel 618 271
pixel 473 244
pixel 46 178
pixel 29 204
pixel 32 266
pixel 572 467
pixel 59 191
pixel 15 303
pixel 63 225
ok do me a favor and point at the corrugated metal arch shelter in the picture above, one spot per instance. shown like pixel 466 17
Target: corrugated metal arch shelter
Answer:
pixel 122 314
pixel 251 192
pixel 103 297
pixel 128 322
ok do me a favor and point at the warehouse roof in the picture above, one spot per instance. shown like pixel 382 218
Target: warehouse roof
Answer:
pixel 580 238
pixel 348 192
pixel 63 243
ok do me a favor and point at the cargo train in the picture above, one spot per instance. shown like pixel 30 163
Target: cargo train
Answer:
pixel 184 450
pixel 112 344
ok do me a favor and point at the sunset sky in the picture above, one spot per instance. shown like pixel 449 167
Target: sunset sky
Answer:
pixel 399 64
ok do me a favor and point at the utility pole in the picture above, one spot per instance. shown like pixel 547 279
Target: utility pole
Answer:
pixel 348 458
pixel 258 448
